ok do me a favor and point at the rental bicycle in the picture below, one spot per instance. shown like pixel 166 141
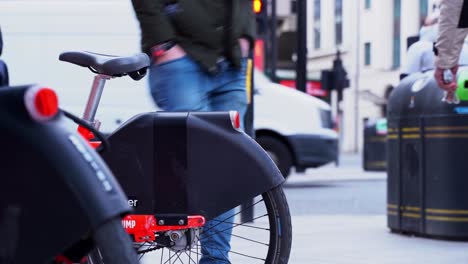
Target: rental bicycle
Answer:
pixel 182 169
pixel 58 199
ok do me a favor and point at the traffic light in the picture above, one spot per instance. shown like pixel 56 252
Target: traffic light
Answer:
pixel 260 9
pixel 339 74
pixel 336 78
pixel 326 80
pixel 257 6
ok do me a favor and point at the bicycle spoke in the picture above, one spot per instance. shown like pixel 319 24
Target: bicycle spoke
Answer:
pixel 245 225
pixel 190 257
pixel 198 246
pixel 210 257
pixel 222 221
pixel 169 260
pixel 178 257
pixel 240 254
pixel 219 250
pixel 251 240
pixel 141 245
pixel 244 238
pixel 234 226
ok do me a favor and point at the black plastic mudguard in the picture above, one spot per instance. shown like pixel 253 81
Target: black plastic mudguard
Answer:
pixel 188 163
pixel 55 190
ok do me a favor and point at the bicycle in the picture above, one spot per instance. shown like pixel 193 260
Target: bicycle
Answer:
pixel 167 164
pixel 58 199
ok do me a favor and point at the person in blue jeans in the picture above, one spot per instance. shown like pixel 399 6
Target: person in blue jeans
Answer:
pixel 199 51
pixel 182 85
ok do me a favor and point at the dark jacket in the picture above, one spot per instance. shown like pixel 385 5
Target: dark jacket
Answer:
pixel 3 68
pixel 200 27
pixel 4 81
pixel 1 42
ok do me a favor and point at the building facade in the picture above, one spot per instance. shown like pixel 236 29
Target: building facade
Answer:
pixel 372 37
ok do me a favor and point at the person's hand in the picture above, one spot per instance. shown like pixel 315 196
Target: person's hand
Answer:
pixel 245 46
pixel 439 76
pixel 173 53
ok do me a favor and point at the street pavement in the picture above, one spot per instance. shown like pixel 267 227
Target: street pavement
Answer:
pixel 338 216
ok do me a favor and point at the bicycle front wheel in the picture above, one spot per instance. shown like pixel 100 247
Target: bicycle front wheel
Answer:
pixel 265 238
pixel 114 245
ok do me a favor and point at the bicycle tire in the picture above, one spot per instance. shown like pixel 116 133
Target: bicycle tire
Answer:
pixel 280 255
pixel 113 245
pixel 279 246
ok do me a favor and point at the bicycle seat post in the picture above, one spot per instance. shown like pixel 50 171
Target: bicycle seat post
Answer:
pixel 95 97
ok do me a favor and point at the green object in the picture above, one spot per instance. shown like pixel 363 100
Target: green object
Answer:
pixel 462 90
pixel 381 126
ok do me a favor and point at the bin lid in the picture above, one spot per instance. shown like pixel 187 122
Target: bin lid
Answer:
pixel 418 94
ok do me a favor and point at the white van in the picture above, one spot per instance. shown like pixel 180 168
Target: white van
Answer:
pixel 294 128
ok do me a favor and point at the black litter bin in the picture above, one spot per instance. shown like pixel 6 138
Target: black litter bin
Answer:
pixel 375 138
pixel 427 159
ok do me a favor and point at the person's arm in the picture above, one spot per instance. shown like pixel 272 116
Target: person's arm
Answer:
pixel 449 42
pixel 156 30
pixel 450 38
pixel 155 26
pixel 247 41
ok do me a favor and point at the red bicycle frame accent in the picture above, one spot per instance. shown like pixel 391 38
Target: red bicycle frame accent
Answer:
pixel 88 135
pixel 144 227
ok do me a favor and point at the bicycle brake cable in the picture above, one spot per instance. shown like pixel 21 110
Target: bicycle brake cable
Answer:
pixel 104 142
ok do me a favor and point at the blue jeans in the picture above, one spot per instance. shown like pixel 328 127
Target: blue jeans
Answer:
pixel 182 85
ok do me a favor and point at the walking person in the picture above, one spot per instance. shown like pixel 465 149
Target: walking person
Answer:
pixel 420 57
pixel 453 29
pixel 4 81
pixel 199 51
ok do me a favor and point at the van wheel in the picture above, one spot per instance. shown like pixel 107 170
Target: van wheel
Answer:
pixel 278 152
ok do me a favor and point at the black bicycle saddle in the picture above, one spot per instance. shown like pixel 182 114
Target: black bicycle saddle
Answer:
pixel 135 66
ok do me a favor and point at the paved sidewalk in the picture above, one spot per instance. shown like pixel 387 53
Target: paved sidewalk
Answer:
pixel 347 239
pixel 329 234
pixel 359 238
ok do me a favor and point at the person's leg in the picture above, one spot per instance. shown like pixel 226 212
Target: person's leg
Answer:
pixel 229 94
pixel 179 85
pixel 216 239
pixel 230 91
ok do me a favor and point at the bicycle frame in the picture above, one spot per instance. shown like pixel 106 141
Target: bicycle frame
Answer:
pixel 142 227
pixel 176 165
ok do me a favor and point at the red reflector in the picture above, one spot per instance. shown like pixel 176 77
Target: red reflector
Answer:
pixel 41 103
pixel 235 119
pixel 46 102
